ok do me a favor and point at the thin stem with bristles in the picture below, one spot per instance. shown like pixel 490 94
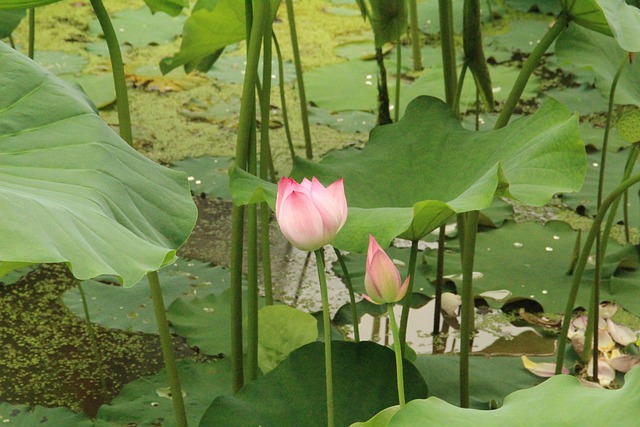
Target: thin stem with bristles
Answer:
pixel 398 351
pixel 95 348
pixel 299 78
pixel 352 295
pixel 117 69
pixel 283 99
pixel 527 69
pixel 167 349
pixel 467 309
pixel 32 32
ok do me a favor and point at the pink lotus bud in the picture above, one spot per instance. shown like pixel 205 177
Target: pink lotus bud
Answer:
pixel 309 214
pixel 382 279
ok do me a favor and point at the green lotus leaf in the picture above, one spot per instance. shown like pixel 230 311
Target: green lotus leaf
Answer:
pixel 428 163
pixel 624 22
pixel 601 55
pixel 548 401
pixel 362 372
pixel 588 14
pixel 388 20
pixel 281 330
pixel 72 191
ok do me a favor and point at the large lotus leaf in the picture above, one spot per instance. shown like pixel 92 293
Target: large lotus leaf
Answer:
pixel 146 402
pixel 73 191
pixel 624 22
pixel 132 308
pixel 555 402
pixel 601 55
pixel 9 20
pixel 140 28
pixel 584 201
pixel 212 26
pixel 281 330
pixel 423 162
pixel 531 261
pixel 587 13
pixel 29 416
pixel 293 394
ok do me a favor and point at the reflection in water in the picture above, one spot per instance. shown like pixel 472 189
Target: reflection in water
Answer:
pixel 496 335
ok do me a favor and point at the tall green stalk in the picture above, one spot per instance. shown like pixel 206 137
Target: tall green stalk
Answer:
pixel 415 35
pixel 448 49
pixel 32 32
pixel 326 322
pixel 95 348
pixel 398 351
pixel 299 78
pixel 467 310
pixel 582 262
pixel 527 69
pixel 265 158
pixel 117 68
pixel 283 100
pixel 406 303
pixel 352 295
pixel 252 276
pixel 167 349
pixel 245 125
pixel 396 106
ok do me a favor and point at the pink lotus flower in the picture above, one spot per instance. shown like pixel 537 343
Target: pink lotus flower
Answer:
pixel 382 279
pixel 309 214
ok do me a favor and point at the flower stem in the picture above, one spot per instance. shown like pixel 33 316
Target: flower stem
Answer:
pixel 398 350
pixel 117 68
pixel 352 295
pixel 582 262
pixel 246 127
pixel 467 310
pixel 406 304
pixel 527 69
pixel 167 349
pixel 299 78
pixel 326 318
pixel 95 348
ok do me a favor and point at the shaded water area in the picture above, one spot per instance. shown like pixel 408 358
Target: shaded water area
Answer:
pixel 47 355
